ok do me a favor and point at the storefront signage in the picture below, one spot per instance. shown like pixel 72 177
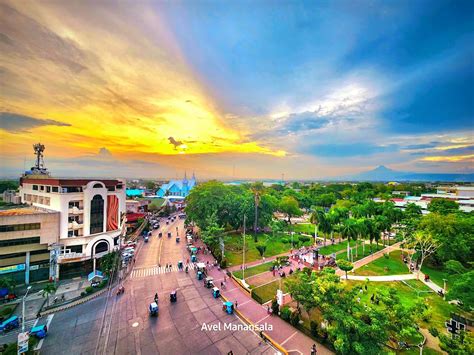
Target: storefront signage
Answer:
pixel 12 268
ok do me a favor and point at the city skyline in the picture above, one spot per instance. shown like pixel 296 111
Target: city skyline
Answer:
pixel 248 90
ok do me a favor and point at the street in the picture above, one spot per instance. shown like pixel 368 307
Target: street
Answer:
pixel 112 324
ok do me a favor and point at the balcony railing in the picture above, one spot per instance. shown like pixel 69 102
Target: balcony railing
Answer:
pixel 75 210
pixel 75 225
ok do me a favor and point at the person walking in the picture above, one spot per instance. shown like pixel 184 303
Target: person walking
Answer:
pixel 313 350
pixel 236 304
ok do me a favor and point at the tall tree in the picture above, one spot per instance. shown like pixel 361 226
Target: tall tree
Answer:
pixel 257 190
pixel 318 218
pixel 349 231
pixel 289 206
pixel 443 206
pixel 423 245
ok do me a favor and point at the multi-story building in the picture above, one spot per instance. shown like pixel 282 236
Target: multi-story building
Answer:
pixel 25 236
pixel 91 215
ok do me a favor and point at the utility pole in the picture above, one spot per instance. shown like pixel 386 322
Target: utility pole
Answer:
pixel 23 310
pixel 243 252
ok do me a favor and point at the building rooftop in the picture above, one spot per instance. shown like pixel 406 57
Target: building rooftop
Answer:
pixel 67 181
pixel 24 211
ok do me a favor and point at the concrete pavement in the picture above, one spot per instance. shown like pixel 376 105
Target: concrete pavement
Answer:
pixel 113 324
pixel 294 341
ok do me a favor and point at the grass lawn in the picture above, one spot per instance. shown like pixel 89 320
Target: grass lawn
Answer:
pixel 275 245
pixel 394 265
pixel 268 291
pixel 156 202
pixel 329 248
pixel 410 292
pixel 251 271
pixel 306 228
pixel 361 255
pixel 437 276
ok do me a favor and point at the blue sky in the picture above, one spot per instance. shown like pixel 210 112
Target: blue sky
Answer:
pixel 337 86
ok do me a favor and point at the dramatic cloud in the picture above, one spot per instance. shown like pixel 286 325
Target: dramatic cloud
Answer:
pixel 316 89
pixel 14 122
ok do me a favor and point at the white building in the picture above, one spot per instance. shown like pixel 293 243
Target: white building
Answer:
pixel 91 213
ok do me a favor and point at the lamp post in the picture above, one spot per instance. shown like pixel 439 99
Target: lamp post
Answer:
pixel 243 252
pixel 444 288
pixel 23 310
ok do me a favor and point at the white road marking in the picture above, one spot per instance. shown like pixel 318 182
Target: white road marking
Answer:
pixel 157 270
pixel 291 336
pixel 48 322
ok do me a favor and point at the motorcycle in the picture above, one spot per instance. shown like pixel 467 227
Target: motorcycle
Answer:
pixel 120 290
pixel 186 269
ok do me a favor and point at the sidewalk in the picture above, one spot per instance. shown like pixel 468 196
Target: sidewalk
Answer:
pixel 282 332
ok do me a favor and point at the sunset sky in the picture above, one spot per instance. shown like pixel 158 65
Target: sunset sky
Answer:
pixel 244 89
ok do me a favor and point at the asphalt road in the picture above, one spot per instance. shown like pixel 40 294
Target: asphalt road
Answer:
pixel 121 324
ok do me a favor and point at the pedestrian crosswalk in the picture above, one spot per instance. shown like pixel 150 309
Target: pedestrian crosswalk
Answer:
pixel 157 270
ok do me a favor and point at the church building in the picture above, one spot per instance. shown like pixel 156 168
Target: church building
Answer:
pixel 177 187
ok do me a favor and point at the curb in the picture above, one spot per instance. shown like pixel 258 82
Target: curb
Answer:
pixel 75 303
pixel 262 334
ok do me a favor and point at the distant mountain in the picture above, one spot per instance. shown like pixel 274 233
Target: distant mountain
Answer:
pixel 382 173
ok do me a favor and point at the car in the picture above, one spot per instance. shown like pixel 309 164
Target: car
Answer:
pixel 126 256
pixel 129 250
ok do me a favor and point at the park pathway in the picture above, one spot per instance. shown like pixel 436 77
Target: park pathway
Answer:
pixel 384 278
pixel 368 259
pixel 282 333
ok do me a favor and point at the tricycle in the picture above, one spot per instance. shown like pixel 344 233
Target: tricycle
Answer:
pixel 153 309
pixel 40 331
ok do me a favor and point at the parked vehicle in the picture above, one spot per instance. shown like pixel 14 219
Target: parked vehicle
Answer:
pixel 40 331
pixel 9 324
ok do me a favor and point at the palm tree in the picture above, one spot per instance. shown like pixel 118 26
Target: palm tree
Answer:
pixel 317 218
pixel 257 189
pixel 361 228
pixel 349 231
pixel 327 227
pixel 48 290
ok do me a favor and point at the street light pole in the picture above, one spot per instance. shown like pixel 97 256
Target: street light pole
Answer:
pixel 243 254
pixel 23 310
pixel 444 288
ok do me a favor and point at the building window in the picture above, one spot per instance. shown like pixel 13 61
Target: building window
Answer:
pixel 98 186
pixel 72 189
pixel 101 247
pixel 97 215
pixel 55 189
pixel 35 187
pixel 41 188
pixel 19 227
pixel 73 219
pixel 75 248
pixel 73 233
pixel 73 204
pixel 22 241
pixel 48 188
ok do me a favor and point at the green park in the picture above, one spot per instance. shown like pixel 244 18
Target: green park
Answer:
pixel 397 275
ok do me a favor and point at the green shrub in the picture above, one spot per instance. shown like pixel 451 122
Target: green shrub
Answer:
pixel 223 263
pixel 285 313
pixel 313 326
pixel 89 289
pixel 103 284
pixel 256 297
pixel 433 331
pixel 275 306
pixel 6 311
pixel 83 294
pixel 294 318
pixel 285 240
pixel 303 238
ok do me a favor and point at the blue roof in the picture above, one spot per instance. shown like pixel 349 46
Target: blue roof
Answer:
pixel 95 274
pixel 134 192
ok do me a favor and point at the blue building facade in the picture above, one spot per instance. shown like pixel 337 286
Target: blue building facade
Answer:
pixel 180 188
